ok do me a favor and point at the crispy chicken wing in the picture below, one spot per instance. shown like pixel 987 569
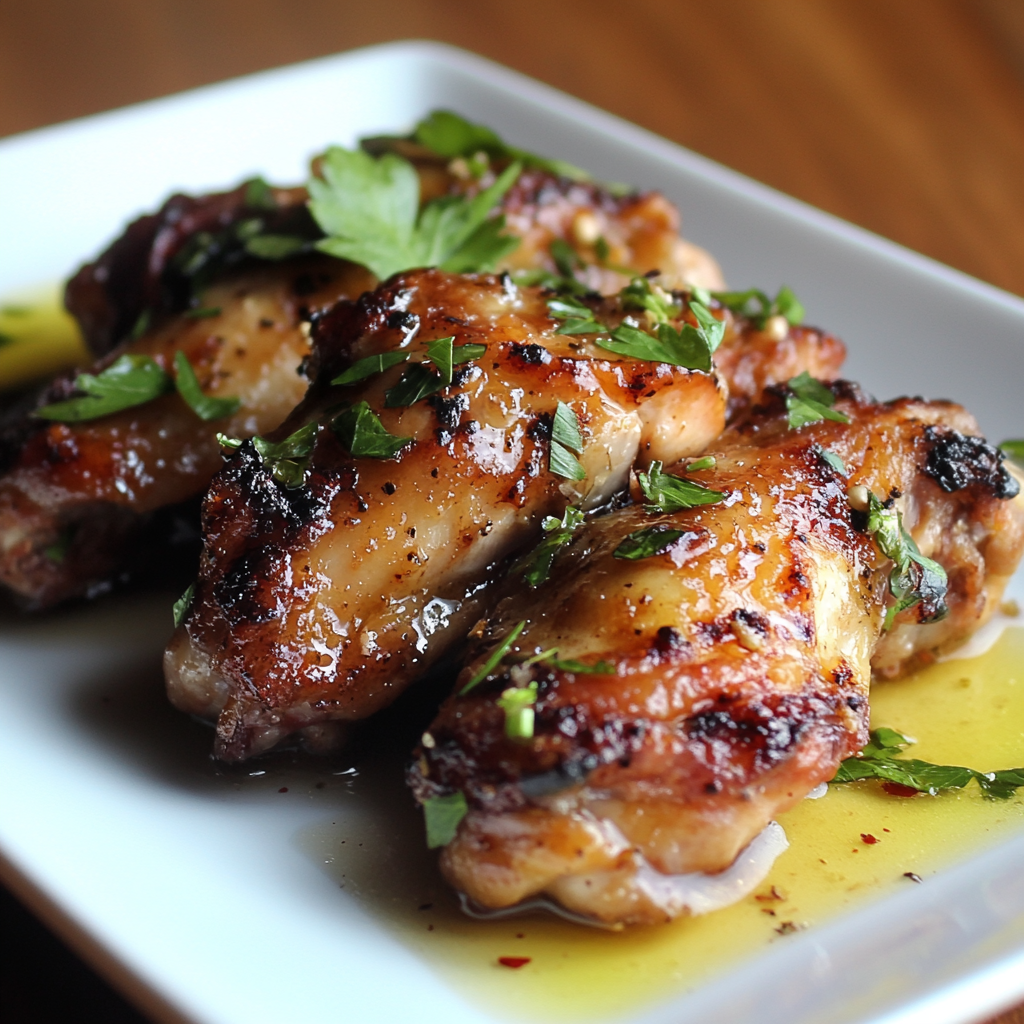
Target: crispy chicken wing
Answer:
pixel 77 501
pixel 679 700
pixel 321 603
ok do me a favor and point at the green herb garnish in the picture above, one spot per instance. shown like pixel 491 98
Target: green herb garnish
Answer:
pixel 578 319
pixel 202 312
pixel 811 402
pixel 363 434
pixel 914 578
pixel 449 135
pixel 831 459
pixel 706 462
pixel 1013 449
pixel 286 460
pixel 205 407
pixel 276 247
pixel 536 566
pixel 496 655
pixel 655 540
pixel 641 294
pixel 755 305
pixel 416 383
pixel 688 346
pixel 443 815
pixel 880 760
pixel 369 210
pixel 668 493
pixel 566 439
pixel 259 195
pixel 550 657
pixel 369 365
pixel 182 605
pixel 517 703
pixel 130 381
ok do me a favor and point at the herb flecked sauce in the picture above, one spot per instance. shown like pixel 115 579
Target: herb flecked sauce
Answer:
pixel 965 711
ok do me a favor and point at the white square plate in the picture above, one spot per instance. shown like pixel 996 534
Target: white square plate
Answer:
pixel 189 884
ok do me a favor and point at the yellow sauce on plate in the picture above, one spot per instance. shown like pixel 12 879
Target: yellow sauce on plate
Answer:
pixel 968 712
pixel 38 338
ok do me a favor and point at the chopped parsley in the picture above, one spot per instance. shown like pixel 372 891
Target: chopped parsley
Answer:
pixel 831 459
pixel 205 407
pixel 129 381
pixel 369 208
pixel 363 434
pixel 655 540
pixel 755 305
pixel 550 657
pixel 706 462
pixel 640 293
pixel 880 760
pixel 202 312
pixel 495 657
pixel 914 578
pixel 259 195
pixel 442 816
pixel 1013 449
pixel 277 247
pixel 287 460
pixel 668 493
pixel 517 703
pixel 536 566
pixel 810 402
pixel 687 346
pixel 578 319
pixel 369 365
pixel 182 605
pixel 449 135
pixel 566 439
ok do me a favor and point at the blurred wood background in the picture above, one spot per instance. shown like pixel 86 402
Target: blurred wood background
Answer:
pixel 906 118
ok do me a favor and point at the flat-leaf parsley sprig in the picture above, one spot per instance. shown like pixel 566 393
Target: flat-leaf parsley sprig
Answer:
pixel 809 401
pixel 369 209
pixel 881 760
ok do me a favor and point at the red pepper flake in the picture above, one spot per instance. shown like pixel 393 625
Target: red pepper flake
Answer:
pixel 514 962
pixel 283 789
pixel 868 839
pixel 788 928
pixel 912 876
pixel 768 897
pixel 897 789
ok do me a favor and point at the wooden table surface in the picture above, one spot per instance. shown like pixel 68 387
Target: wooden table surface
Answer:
pixel 906 118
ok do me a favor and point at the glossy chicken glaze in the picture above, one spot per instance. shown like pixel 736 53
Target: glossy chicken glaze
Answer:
pixel 89 490
pixel 740 660
pixel 322 603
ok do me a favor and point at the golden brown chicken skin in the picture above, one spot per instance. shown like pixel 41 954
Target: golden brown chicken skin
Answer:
pixel 321 603
pixel 77 499
pixel 736 664
pixel 79 502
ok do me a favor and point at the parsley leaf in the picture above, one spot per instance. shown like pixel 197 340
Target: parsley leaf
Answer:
pixel 880 760
pixel 417 382
pixel 259 195
pixel 276 247
pixel 441 354
pixel 668 493
pixel 914 577
pixel 495 657
pixel 442 816
pixel 566 439
pixel 655 540
pixel 369 210
pixel 810 402
pixel 182 605
pixel 1013 449
pixel 369 365
pixel 706 462
pixel 688 346
pixel 517 703
pixel 205 407
pixel 579 319
pixel 755 305
pixel 536 565
pixel 449 135
pixel 831 459
pixel 286 460
pixel 599 668
pixel 129 381
pixel 640 293
pixel 363 434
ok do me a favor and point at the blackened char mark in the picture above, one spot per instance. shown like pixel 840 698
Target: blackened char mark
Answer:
pixel 956 461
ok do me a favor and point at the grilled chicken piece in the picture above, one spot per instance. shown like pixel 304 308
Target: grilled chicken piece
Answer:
pixel 77 501
pixel 320 604
pixel 736 663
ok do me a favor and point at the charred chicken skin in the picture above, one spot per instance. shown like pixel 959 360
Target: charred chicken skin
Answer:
pixel 680 700
pixel 321 603
pixel 77 500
